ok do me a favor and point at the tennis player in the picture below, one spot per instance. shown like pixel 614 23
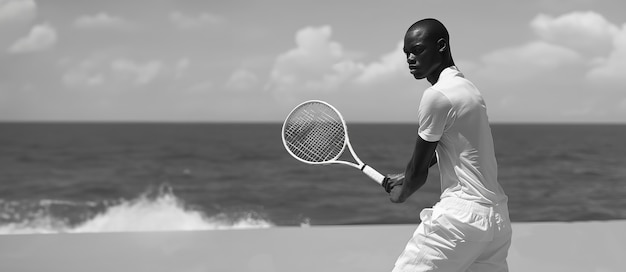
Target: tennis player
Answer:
pixel 469 228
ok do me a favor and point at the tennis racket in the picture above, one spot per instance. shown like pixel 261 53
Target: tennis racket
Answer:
pixel 315 133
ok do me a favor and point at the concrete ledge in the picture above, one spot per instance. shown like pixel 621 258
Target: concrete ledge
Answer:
pixel 552 246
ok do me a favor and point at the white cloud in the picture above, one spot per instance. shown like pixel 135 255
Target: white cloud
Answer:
pixel 586 31
pixel 528 60
pixel 100 20
pixel 317 63
pixel 242 79
pixel 201 87
pixel 185 21
pixel 586 39
pixel 17 10
pixel 40 37
pixel 138 73
pixel 84 74
pixel 118 73
pixel 320 64
pixel 390 65
pixel 181 66
pixel 622 105
pixel 612 69
pixel 81 78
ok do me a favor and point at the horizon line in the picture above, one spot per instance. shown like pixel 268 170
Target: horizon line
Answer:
pixel 95 122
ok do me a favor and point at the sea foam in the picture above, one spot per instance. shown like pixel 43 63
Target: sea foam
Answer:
pixel 165 212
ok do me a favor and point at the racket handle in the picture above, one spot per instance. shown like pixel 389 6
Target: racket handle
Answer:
pixel 372 173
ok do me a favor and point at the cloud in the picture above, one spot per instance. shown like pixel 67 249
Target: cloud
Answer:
pixel 84 74
pixel 622 105
pixel 612 70
pixel 118 73
pixel 40 37
pixel 17 10
pixel 587 31
pixel 242 79
pixel 181 67
pixel 601 43
pixel 576 43
pixel 201 87
pixel 316 63
pixel 185 21
pixel 138 73
pixel 525 61
pixel 390 65
pixel 320 64
pixel 100 20
pixel 80 78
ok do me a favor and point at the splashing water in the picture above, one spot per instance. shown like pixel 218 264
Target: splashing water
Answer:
pixel 165 212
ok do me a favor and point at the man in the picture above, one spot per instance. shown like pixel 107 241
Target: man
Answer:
pixel 469 228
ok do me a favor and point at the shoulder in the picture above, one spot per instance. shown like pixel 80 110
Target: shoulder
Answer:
pixel 435 114
pixel 435 99
pixel 458 90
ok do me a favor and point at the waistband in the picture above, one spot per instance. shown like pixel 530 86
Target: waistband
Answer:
pixel 472 206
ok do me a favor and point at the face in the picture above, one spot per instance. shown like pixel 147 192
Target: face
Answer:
pixel 422 54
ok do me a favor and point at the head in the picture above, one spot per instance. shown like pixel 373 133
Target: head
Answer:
pixel 427 49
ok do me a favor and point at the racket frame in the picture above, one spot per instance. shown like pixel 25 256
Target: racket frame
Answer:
pixel 368 170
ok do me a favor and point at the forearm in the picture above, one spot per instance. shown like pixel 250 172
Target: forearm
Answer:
pixel 413 180
pixel 433 161
pixel 416 171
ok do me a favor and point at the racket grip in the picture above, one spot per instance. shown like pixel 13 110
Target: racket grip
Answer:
pixel 372 173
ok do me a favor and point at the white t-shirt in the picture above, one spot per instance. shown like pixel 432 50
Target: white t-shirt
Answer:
pixel 453 112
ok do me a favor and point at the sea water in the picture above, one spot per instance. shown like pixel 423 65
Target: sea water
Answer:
pixel 71 177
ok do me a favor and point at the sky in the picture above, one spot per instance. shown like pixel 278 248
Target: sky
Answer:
pixel 534 61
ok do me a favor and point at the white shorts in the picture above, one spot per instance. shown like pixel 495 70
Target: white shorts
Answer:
pixel 459 235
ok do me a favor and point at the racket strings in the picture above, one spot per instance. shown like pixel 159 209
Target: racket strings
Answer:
pixel 315 133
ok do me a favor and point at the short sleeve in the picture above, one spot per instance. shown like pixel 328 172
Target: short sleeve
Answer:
pixel 434 115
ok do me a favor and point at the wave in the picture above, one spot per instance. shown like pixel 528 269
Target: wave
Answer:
pixel 163 212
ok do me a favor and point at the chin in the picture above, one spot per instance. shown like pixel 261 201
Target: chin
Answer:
pixel 417 74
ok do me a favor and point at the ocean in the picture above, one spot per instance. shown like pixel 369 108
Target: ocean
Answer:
pixel 109 177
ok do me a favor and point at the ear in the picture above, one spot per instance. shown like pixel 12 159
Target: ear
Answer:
pixel 442 45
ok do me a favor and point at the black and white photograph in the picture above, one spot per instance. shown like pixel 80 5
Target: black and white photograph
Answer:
pixel 309 136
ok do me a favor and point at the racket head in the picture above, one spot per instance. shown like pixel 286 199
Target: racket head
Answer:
pixel 314 132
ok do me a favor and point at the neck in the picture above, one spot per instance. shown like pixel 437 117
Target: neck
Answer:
pixel 434 76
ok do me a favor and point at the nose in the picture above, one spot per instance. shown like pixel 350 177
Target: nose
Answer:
pixel 410 58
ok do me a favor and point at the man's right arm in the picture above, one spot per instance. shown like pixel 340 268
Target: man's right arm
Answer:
pixel 416 171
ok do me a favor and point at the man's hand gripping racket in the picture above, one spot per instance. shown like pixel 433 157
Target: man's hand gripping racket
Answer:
pixel 315 133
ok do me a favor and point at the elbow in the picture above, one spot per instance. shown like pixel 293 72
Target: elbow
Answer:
pixel 402 193
pixel 399 194
pixel 412 182
pixel 416 180
pixel 397 199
